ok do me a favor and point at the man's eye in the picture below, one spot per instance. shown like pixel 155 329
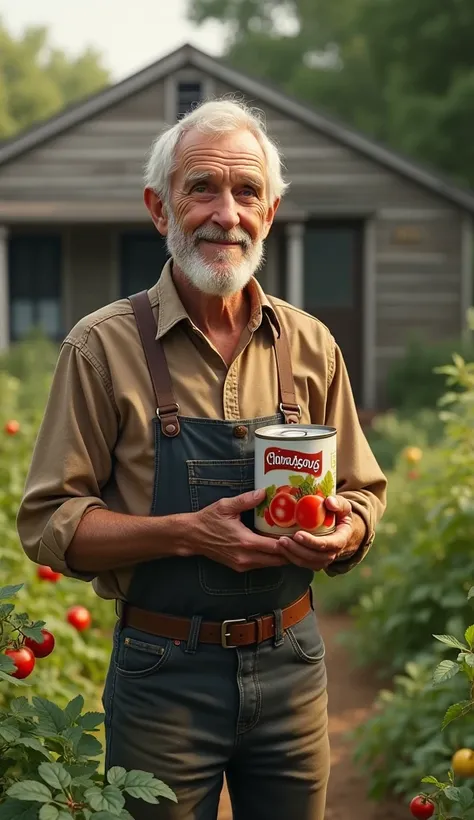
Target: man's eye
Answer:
pixel 200 188
pixel 249 191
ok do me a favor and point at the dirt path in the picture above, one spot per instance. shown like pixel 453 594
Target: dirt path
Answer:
pixel 351 696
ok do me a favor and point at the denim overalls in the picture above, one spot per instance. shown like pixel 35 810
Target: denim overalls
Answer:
pixel 194 706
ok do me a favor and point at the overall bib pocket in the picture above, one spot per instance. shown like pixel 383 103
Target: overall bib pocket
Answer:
pixel 208 482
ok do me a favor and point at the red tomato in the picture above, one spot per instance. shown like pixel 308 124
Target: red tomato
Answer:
pixel 282 510
pixel 24 661
pixel 268 517
pixel 12 427
pixel 79 617
pixel 287 488
pixel 310 512
pixel 421 807
pixel 41 650
pixel 48 574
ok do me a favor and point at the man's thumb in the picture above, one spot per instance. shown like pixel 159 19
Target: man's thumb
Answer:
pixel 245 501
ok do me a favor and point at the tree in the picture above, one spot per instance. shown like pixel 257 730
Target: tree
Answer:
pixel 37 80
pixel 402 71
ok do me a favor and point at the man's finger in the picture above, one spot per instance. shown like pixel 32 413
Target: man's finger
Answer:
pixel 338 504
pixel 307 558
pixel 336 541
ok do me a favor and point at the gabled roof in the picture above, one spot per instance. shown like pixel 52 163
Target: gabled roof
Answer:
pixel 188 55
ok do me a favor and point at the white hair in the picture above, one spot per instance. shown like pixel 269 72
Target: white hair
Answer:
pixel 213 117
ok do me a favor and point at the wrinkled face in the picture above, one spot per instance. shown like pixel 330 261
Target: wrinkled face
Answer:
pixel 219 212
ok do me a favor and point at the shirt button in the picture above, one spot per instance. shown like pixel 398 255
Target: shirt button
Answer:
pixel 240 431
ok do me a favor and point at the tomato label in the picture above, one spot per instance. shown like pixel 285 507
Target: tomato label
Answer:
pixel 297 478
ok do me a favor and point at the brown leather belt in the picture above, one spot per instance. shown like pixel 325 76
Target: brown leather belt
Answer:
pixel 229 634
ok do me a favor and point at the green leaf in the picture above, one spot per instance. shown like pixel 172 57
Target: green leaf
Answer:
pixel 9 734
pixel 30 790
pixel 6 664
pixel 89 746
pixel 91 720
pixel 17 810
pixel 433 780
pixel 107 799
pixel 469 659
pixel 51 718
pixel 296 480
pixel 452 793
pixel 48 812
pixel 450 640
pixel 270 493
pixel 456 710
pixel 466 797
pixel 73 734
pixel 327 484
pixel 12 681
pixel 470 594
pixel 469 636
pixel 34 633
pixel 55 775
pixel 6 610
pixel 33 743
pixel 9 591
pixel 21 708
pixel 117 776
pixel 74 708
pixel 105 815
pixel 444 671
pixel 139 784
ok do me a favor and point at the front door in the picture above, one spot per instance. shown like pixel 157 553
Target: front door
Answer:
pixel 333 287
pixel 142 257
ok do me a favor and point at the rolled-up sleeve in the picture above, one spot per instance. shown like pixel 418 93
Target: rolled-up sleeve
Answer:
pixel 72 458
pixel 359 477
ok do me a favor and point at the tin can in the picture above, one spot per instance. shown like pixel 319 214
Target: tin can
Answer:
pixel 296 464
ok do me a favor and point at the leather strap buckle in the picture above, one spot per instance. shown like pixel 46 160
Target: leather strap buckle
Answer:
pixel 225 634
pixel 168 416
pixel 292 412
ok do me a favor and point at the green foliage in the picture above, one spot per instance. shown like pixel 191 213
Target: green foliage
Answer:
pixel 38 80
pixel 413 382
pixel 400 71
pixel 48 754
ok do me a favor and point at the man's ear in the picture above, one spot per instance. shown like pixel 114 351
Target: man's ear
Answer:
pixel 270 216
pixel 157 210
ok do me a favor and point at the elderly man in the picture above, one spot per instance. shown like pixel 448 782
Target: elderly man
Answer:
pixel 141 482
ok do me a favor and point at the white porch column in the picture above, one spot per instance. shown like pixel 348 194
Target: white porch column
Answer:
pixel 4 298
pixel 295 263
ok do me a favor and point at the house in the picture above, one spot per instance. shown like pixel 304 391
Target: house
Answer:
pixel 374 245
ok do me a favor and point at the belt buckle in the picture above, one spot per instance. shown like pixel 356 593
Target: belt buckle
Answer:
pixel 225 635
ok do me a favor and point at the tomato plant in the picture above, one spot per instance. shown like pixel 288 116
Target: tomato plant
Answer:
pixel 48 755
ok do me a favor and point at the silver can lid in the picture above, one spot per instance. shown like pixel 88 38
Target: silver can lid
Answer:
pixel 295 432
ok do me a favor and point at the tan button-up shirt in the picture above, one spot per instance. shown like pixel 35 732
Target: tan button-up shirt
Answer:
pixel 95 446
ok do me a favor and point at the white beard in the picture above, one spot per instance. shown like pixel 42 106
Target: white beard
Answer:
pixel 222 277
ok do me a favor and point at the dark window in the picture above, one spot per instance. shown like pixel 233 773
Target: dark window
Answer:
pixel 189 95
pixel 142 256
pixel 35 285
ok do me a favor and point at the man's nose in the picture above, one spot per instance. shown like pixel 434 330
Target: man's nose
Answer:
pixel 225 212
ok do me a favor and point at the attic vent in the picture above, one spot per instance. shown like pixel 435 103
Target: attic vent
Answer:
pixel 189 95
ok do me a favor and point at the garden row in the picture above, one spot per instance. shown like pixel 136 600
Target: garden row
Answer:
pixel 412 586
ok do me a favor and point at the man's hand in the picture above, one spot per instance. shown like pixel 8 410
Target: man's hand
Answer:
pixel 317 552
pixel 218 533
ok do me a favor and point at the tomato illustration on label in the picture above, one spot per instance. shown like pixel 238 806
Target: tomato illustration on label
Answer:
pixel 299 503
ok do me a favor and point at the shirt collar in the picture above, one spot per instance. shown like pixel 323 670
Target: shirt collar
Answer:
pixel 172 311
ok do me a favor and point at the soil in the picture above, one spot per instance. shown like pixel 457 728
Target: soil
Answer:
pixel 351 697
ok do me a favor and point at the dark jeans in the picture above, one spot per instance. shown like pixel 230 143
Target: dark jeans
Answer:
pixel 191 713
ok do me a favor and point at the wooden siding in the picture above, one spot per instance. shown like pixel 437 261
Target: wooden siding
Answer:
pixel 89 270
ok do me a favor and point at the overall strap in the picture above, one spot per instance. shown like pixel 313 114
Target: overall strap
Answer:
pixel 166 407
pixel 288 405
